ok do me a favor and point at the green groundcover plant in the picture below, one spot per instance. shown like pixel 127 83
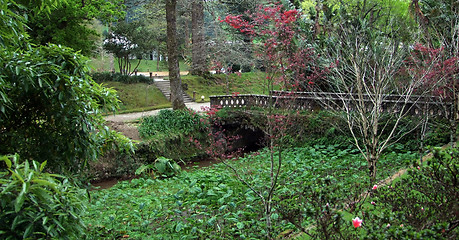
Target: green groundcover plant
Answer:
pixel 421 204
pixel 211 203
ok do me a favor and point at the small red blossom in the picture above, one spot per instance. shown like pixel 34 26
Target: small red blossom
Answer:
pixel 357 222
pixel 375 187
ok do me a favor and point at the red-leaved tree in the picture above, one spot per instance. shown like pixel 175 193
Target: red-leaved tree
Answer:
pixel 276 35
pixel 437 71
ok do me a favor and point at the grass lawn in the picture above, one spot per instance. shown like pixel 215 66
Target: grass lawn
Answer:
pixel 222 84
pixel 103 65
pixel 138 97
pixel 143 97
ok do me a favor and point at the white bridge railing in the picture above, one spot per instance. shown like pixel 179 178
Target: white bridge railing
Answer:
pixel 410 105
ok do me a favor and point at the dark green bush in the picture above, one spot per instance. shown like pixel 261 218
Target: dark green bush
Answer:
pixel 172 134
pixel 38 205
pixel 422 205
pixel 162 167
pixel 171 122
pixel 51 109
pixel 100 77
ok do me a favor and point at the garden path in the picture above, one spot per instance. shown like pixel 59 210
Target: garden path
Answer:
pixel 133 116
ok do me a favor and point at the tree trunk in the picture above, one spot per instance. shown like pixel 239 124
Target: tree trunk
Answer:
pixel 316 20
pixel 422 20
pixel 157 58
pixel 198 55
pixel 454 118
pixel 173 58
pixel 372 167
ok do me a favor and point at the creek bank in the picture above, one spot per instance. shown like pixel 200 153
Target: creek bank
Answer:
pixel 189 166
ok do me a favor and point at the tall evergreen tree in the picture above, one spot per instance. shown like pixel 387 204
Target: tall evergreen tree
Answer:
pixel 199 64
pixel 173 56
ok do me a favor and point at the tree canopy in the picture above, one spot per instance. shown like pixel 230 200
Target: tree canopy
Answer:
pixel 68 23
pixel 126 40
pixel 49 105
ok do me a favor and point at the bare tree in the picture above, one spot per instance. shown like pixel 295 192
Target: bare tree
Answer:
pixel 366 78
pixel 173 56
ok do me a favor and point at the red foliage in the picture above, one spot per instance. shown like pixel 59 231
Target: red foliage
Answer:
pixel 238 23
pixel 219 146
pixel 278 29
pixel 434 69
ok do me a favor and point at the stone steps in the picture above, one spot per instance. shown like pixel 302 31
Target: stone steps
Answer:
pixel 165 87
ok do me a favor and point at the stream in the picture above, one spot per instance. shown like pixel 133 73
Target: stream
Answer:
pixel 108 183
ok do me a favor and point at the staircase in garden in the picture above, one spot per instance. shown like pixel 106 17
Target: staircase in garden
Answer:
pixel 165 87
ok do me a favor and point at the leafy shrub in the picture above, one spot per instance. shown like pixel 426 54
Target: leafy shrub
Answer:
pixel 52 107
pixel 113 164
pixel 425 201
pixel 38 205
pixel 101 77
pixel 421 205
pixel 439 133
pixel 162 166
pixel 171 134
pixel 170 122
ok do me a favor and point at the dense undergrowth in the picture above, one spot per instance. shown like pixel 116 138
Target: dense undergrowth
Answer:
pixel 171 134
pixel 175 134
pixel 323 185
pixel 318 186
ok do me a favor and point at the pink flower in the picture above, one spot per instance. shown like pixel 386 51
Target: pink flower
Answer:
pixel 375 187
pixel 388 225
pixel 419 168
pixel 422 208
pixel 357 222
pixel 373 203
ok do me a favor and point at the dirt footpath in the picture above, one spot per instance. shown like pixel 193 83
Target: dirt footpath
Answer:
pixel 133 116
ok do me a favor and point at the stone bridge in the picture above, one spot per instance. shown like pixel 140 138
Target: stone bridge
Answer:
pixel 313 101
